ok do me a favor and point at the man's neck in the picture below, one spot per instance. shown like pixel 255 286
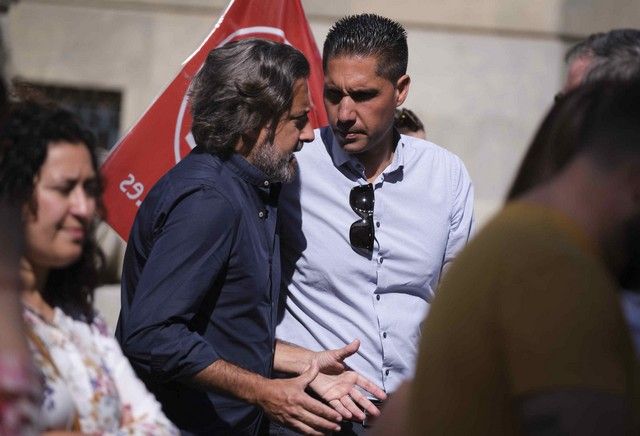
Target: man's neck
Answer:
pixel 376 160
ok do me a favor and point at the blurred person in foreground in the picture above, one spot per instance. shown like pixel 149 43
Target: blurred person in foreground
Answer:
pixel 48 169
pixel 526 335
pixel 19 386
pixel 201 277
pixel 407 123
pixel 374 218
pixel 613 56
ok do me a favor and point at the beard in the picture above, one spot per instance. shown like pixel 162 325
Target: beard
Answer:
pixel 277 166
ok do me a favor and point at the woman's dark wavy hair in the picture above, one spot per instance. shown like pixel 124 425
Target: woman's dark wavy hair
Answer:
pixel 600 118
pixel 28 130
pixel 241 88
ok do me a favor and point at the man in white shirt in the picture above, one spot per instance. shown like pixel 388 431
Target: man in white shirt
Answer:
pixel 373 217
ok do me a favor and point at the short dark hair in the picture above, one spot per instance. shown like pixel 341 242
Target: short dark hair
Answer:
pixel 604 45
pixel 241 88
pixel 29 128
pixel 369 35
pixel 582 48
pixel 622 65
pixel 600 120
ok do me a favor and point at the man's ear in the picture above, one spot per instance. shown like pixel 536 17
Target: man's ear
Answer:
pixel 402 89
pixel 249 140
pixel 246 142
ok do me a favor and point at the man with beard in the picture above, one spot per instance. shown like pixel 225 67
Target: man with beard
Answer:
pixel 201 274
pixel 527 334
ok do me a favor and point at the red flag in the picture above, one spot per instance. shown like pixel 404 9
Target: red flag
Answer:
pixel 162 136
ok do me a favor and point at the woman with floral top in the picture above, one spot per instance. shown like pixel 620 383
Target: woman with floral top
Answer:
pixel 48 168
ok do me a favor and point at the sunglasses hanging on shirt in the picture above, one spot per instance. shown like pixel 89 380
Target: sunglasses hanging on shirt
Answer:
pixel 362 233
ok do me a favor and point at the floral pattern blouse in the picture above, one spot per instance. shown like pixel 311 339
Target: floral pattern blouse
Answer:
pixel 89 385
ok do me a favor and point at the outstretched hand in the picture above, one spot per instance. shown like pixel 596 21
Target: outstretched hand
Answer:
pixel 286 402
pixel 339 386
pixel 341 391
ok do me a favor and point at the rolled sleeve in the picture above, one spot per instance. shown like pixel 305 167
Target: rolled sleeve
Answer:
pixel 191 245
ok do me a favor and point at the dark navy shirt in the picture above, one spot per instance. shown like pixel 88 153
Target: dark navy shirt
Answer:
pixel 200 283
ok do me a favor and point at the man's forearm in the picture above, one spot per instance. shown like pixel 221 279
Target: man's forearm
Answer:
pixel 227 377
pixel 284 401
pixel 290 358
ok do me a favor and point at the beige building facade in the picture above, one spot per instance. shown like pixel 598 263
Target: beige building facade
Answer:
pixel 483 72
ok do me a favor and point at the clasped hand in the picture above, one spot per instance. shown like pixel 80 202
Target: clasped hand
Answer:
pixel 333 381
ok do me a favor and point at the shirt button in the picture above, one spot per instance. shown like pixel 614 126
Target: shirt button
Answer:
pixel 386 372
pixel 378 224
pixel 266 183
pixel 261 214
pixel 384 335
pixel 380 260
pixel 378 297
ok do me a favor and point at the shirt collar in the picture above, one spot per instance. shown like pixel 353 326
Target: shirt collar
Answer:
pixel 340 157
pixel 249 173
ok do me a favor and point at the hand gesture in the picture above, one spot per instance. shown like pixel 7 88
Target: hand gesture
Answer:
pixel 332 361
pixel 286 402
pixel 338 385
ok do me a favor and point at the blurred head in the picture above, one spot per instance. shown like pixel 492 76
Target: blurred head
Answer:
pixel 244 96
pixel 408 123
pixel 10 239
pixel 365 63
pixel 570 127
pixel 612 56
pixel 618 45
pixel 599 123
pixel 619 66
pixel 578 60
pixel 48 169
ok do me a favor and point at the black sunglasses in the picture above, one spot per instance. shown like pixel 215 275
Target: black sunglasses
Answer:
pixel 362 234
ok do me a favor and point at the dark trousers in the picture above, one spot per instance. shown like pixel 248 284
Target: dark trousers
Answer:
pixel 348 428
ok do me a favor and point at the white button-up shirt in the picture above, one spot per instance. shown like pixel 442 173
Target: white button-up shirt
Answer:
pixel 423 214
